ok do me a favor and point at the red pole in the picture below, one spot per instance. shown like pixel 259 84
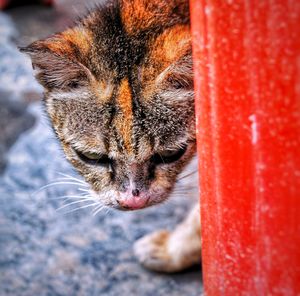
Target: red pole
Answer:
pixel 247 83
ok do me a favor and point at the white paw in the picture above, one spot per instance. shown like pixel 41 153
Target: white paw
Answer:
pixel 152 252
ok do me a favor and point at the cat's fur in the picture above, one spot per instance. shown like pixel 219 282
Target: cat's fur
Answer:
pixel 119 84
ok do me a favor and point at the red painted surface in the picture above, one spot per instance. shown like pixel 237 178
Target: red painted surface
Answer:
pixel 247 82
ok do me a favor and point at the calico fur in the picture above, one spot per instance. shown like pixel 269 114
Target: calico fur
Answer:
pixel 120 84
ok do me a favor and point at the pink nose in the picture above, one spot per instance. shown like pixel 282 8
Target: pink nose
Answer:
pixel 132 201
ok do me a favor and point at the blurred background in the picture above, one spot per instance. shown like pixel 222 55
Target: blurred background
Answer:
pixel 46 249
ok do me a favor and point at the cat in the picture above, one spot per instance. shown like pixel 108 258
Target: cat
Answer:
pixel 118 88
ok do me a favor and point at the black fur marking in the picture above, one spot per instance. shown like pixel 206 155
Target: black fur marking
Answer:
pixel 110 39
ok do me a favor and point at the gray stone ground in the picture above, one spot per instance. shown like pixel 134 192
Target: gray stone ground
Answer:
pixel 45 251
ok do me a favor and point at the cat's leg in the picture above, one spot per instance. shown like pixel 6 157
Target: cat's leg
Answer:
pixel 172 251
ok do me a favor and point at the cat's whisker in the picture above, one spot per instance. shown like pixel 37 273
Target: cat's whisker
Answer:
pixel 183 196
pixel 72 203
pixel 161 158
pixel 83 190
pixel 185 186
pixel 72 178
pixel 71 197
pixel 82 207
pixel 187 175
pixel 184 190
pixel 65 179
pixel 98 209
pixel 54 184
pixel 181 193
pixel 99 205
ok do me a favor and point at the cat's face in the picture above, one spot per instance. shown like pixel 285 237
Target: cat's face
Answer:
pixel 120 97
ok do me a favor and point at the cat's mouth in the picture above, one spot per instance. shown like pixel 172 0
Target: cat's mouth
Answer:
pixel 127 202
pixel 133 203
pixel 132 200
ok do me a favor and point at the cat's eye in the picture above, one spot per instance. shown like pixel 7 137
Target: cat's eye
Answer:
pixel 73 84
pixel 176 84
pixel 179 83
pixel 94 158
pixel 168 156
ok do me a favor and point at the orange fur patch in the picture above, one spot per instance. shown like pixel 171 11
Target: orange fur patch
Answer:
pixel 63 44
pixel 80 37
pixel 125 123
pixel 168 48
pixel 171 45
pixel 102 90
pixel 135 14
pixel 142 14
pixel 59 46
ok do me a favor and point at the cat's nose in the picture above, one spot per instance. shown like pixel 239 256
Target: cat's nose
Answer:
pixel 135 192
pixel 133 201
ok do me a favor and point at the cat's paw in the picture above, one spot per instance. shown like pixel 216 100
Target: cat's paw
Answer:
pixel 152 252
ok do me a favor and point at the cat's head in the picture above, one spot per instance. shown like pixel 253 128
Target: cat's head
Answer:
pixel 119 92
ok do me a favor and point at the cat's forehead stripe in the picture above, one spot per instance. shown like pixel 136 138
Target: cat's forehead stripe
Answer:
pixel 69 42
pixel 80 37
pixel 124 101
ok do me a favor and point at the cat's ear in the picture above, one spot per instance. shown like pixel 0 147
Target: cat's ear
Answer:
pixel 180 74
pixel 55 64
